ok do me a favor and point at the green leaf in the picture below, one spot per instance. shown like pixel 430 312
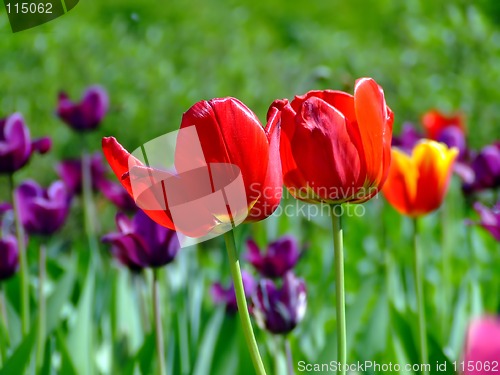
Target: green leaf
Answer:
pixel 205 355
pixel 22 356
pixel 460 318
pixel 143 358
pixel 403 333
pixel 67 366
pixel 375 339
pixel 80 335
pixel 59 297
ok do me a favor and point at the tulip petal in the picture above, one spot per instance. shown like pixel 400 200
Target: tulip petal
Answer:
pixel 400 188
pixel 120 160
pixel 230 133
pixel 434 122
pixel 122 163
pixel 292 176
pixel 375 128
pixel 272 187
pixel 434 162
pixel 324 151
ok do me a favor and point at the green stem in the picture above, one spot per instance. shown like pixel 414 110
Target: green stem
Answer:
pixel 88 205
pixel 242 304
pixel 41 309
pixel 445 259
pixel 4 339
pixel 338 248
pixel 23 264
pixel 160 352
pixel 422 326
pixel 289 357
pixel 141 301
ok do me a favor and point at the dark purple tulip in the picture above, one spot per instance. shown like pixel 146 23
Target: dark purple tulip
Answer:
pixel 117 195
pixel 42 211
pixel 16 146
pixel 408 138
pixel 227 296
pixel 281 256
pixel 453 136
pixel 141 243
pixel 280 310
pixel 70 171
pixel 5 207
pixel 88 113
pixel 486 169
pixel 489 219
pixel 482 346
pixel 9 256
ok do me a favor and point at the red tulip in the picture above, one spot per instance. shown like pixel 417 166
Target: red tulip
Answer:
pixel 436 122
pixel 336 147
pixel 220 141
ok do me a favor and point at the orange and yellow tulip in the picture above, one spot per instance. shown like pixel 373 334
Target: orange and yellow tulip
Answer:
pixel 417 183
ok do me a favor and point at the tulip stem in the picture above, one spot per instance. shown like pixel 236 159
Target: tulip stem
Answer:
pixel 88 205
pixel 242 304
pixel 141 301
pixel 424 356
pixel 289 357
pixel 4 338
pixel 23 263
pixel 160 352
pixel 445 259
pixel 41 308
pixel 338 248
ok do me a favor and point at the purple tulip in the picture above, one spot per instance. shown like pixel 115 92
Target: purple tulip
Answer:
pixel 485 167
pixel 88 113
pixel 5 207
pixel 70 171
pixel 408 138
pixel 141 243
pixel 16 146
pixel 9 257
pixel 42 211
pixel 281 256
pixel 489 219
pixel 117 195
pixel 227 296
pixel 453 136
pixel 280 310
pixel 482 346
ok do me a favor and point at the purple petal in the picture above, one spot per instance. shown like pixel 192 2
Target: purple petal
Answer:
pixel 9 257
pixel 41 145
pixel 88 113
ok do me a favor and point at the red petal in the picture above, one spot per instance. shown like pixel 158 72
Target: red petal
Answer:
pixel 229 132
pixel 324 151
pixel 434 123
pixel 340 100
pixel 375 127
pixel 120 161
pixel 272 187
pixel 292 176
